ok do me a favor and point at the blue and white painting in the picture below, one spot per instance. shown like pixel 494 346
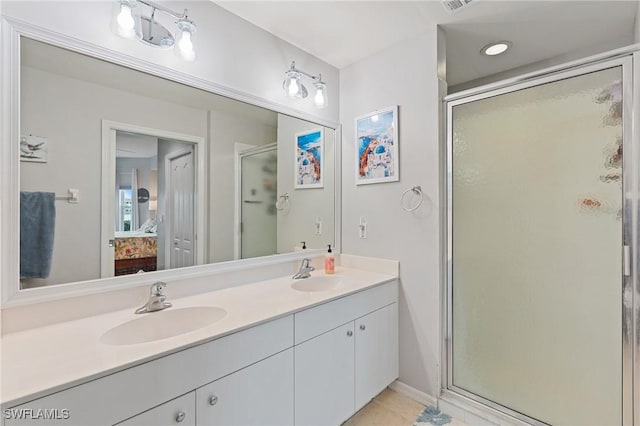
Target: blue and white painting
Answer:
pixel 309 146
pixel 377 147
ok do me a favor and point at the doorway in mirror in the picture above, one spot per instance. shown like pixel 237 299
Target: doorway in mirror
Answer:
pixel 155 231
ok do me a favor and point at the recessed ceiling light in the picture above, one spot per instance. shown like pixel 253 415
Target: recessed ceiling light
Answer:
pixel 496 48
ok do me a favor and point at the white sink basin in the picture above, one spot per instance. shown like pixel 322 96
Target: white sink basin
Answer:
pixel 318 283
pixel 162 324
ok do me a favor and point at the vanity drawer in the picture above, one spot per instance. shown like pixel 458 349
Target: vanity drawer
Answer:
pixel 180 411
pixel 119 396
pixel 320 319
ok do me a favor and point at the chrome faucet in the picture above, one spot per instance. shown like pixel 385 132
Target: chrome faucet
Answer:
pixel 305 269
pixel 156 300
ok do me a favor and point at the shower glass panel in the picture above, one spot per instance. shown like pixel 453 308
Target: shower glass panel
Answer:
pixel 536 249
pixel 258 204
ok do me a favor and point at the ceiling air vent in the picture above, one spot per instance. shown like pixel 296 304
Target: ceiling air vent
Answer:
pixel 455 5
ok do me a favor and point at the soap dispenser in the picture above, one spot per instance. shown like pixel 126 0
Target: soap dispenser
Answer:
pixel 329 262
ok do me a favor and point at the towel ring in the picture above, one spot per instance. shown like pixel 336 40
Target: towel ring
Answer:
pixel 283 202
pixel 415 190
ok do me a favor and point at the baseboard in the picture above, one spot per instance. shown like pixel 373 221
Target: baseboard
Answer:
pixel 413 393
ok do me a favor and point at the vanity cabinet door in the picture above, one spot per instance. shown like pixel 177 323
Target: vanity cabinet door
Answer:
pixel 260 395
pixel 324 375
pixel 376 353
pixel 180 411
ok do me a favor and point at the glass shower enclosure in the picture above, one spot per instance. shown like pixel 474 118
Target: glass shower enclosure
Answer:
pixel 539 244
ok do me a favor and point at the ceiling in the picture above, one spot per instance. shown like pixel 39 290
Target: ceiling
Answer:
pixel 343 32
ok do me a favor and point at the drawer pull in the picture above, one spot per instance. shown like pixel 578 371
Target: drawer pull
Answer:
pixel 349 333
pixel 213 400
pixel 180 417
pixel 363 327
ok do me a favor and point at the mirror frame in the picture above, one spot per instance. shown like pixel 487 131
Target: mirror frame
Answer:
pixel 12 295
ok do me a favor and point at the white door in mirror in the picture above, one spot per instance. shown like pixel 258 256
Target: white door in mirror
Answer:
pixel 180 209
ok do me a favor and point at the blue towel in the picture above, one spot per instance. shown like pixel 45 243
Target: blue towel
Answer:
pixel 37 228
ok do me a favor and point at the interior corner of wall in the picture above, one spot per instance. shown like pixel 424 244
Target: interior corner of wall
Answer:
pixel 441 54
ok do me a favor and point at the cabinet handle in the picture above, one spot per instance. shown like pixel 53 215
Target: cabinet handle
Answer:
pixel 180 417
pixel 213 400
pixel 363 327
pixel 349 333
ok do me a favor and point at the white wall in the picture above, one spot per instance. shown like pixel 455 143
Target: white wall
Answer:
pixel 297 222
pixel 227 130
pixel 411 238
pixel 636 24
pixel 69 113
pixel 232 52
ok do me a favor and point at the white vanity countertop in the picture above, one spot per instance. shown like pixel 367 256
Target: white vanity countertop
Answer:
pixel 42 360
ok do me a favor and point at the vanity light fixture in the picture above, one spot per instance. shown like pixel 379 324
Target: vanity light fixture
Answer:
pixel 128 22
pixel 496 48
pixel 294 88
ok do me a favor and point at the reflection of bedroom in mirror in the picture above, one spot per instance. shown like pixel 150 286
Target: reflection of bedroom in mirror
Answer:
pixel 154 204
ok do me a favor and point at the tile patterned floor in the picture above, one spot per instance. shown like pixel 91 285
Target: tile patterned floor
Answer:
pixel 390 408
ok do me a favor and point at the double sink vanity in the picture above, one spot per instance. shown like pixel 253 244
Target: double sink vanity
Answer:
pixel 280 351
pixel 243 342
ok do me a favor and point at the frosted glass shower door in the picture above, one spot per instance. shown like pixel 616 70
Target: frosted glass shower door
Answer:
pixel 536 236
pixel 257 210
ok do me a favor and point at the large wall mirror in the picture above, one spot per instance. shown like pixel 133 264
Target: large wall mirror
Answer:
pixel 127 173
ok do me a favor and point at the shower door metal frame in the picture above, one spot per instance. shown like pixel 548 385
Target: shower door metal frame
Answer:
pixel 629 61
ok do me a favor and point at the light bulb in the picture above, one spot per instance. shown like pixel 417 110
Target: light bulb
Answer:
pixel 125 18
pixel 185 42
pixel 319 98
pixel 494 49
pixel 293 87
pixel 184 46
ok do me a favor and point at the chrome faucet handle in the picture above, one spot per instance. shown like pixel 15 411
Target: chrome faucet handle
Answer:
pixel 305 268
pixel 157 288
pixel 306 265
pixel 156 300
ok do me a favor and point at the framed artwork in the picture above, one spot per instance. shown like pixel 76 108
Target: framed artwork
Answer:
pixel 377 146
pixel 33 148
pixel 309 159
